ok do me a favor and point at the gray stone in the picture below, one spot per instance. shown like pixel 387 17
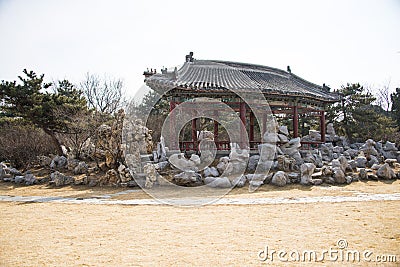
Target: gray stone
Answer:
pixel 179 161
pixel 81 168
pixel 161 166
pixel 349 179
pixel 284 130
pixel 361 162
pixel 372 176
pixel 59 162
pixel 211 171
pixel 279 179
pixel 326 171
pixel 385 172
pixel 59 179
pixel 188 178
pixel 389 146
pixel 253 161
pixel 292 147
pixel 151 175
pixel 330 130
pixel 217 182
pixel 294 177
pixel 306 169
pixel 283 138
pixel 285 163
pixel 391 162
pixel 316 181
pixel 375 167
pixel 270 138
pixel 267 152
pixel 373 160
pixel 363 174
pixel 29 178
pixel 196 159
pixel 338 175
pixel 222 164
pixel 19 179
pixel 239 181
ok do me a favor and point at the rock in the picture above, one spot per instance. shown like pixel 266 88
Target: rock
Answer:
pixel 375 167
pixel 385 172
pixel 217 182
pixel 373 160
pixel 283 138
pixel 211 171
pixel 19 179
pixel 161 166
pixel 338 175
pixel 306 169
pixel 286 163
pixel 81 168
pixel 93 182
pixel 253 161
pixel 291 147
pixel 195 159
pixel 352 153
pixel 391 162
pixel 2 170
pixel 372 176
pixel 330 130
pixel 326 151
pixel 352 165
pixel 361 162
pixel 59 179
pixel 267 152
pixel 284 130
pixel 29 178
pixel 121 168
pixel 239 181
pixel 279 179
pixel 389 146
pixel 349 179
pixel 314 135
pixel 223 163
pixel 363 174
pixel 316 181
pixel 112 177
pixel 344 164
pixel 151 175
pixel 294 177
pixel 58 162
pixel 44 161
pixel 326 171
pixel 179 161
pixel 81 179
pixel 271 138
pixel 188 178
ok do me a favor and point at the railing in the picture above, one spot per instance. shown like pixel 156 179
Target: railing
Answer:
pixel 225 145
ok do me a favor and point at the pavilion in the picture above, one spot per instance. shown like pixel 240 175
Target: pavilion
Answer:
pixel 287 94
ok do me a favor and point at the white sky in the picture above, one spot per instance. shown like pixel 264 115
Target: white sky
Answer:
pixel 332 42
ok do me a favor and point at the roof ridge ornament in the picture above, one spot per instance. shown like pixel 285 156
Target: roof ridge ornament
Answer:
pixel 189 58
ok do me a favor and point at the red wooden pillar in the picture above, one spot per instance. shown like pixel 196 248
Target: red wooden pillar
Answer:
pixel 295 121
pixel 322 126
pixel 172 106
pixel 251 130
pixel 194 134
pixel 243 119
pixel 216 129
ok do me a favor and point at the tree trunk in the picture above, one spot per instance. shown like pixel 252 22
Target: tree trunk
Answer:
pixel 55 141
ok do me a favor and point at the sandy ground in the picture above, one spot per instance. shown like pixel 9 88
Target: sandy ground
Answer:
pixel 51 234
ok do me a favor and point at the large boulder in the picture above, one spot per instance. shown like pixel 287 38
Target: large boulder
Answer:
pixel 151 175
pixel 361 162
pixel 179 161
pixel 385 172
pixel 306 169
pixel 59 179
pixel 338 175
pixel 280 178
pixel 217 182
pixel 188 178
pixel 211 171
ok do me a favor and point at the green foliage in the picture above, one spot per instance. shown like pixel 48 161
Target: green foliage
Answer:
pixel 31 101
pixel 395 97
pixel 356 117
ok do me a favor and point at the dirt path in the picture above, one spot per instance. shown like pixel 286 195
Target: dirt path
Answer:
pixel 57 234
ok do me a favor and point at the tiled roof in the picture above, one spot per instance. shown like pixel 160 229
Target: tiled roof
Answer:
pixel 215 75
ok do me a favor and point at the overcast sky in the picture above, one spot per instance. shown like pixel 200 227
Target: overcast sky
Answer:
pixel 332 42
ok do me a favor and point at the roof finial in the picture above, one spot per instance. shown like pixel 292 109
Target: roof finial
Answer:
pixel 189 58
pixel 288 69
